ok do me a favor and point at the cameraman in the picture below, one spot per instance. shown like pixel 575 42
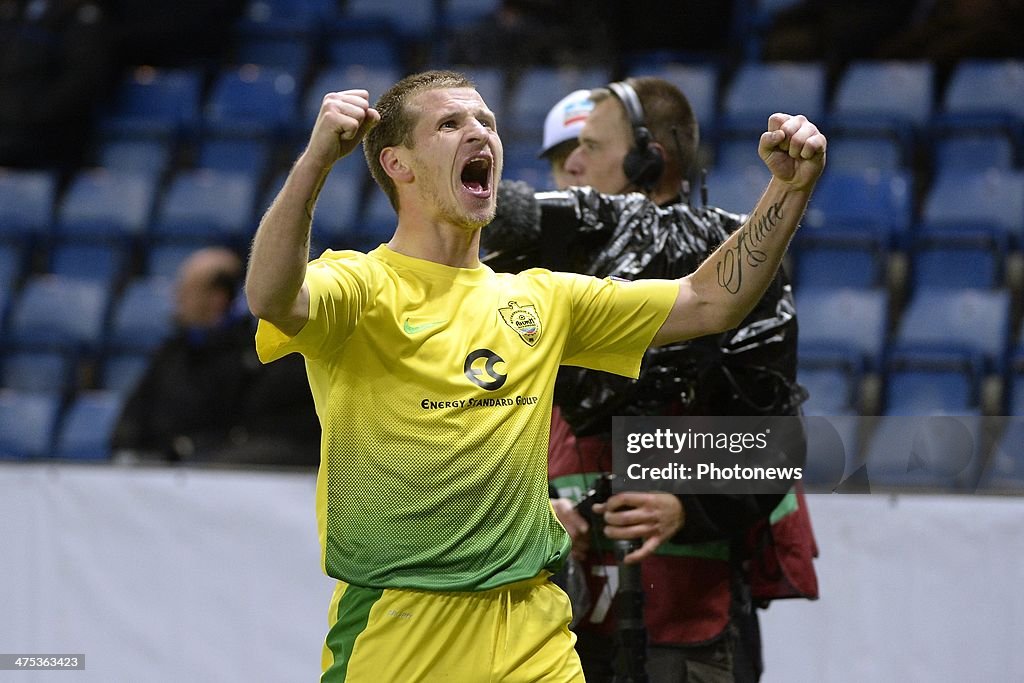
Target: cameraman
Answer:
pixel 641 137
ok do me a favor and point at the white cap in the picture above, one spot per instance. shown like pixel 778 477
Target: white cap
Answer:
pixel 566 119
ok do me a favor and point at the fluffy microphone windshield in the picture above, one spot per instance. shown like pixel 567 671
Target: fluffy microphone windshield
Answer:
pixel 516 224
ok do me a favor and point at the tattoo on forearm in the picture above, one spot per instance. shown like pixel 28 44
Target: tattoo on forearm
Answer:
pixel 730 264
pixel 311 202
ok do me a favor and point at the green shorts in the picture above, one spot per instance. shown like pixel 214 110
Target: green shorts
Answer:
pixel 516 633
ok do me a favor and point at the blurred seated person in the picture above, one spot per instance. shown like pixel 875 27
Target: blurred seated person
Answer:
pixel 55 66
pixel 834 32
pixel 205 397
pixel 954 30
pixel 179 33
pixel 535 32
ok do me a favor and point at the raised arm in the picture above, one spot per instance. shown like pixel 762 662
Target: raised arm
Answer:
pixel 718 295
pixel 277 264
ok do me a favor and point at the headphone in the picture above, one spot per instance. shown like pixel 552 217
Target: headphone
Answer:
pixel 643 164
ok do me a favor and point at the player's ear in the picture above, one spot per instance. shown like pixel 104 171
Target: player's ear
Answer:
pixel 393 161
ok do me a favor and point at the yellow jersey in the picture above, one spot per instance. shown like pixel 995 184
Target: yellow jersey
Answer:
pixel 433 386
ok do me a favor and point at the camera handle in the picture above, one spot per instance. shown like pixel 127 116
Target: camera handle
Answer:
pixel 630 631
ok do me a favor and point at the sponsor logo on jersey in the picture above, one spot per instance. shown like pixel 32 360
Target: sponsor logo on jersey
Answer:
pixel 524 320
pixel 480 368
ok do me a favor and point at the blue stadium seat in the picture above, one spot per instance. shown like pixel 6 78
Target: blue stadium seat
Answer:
pixel 737 189
pixel 155 102
pixel 12 266
pixel 336 218
pixel 146 157
pixel 931 451
pixel 6 293
pixel 735 154
pixel 984 95
pixel 378 221
pixel 884 97
pixel 121 372
pixel 873 204
pixel 462 13
pixel 248 156
pixel 301 19
pixel 337 211
pixel 833 389
pixel 26 204
pixel 521 163
pixel 857 152
pixel 102 263
pixel 699 83
pixel 1015 387
pixel 163 260
pixel 954 266
pixel 88 425
pixel 1015 377
pixel 283 53
pixel 989 202
pixel 203 206
pixel 967 325
pixel 28 421
pixel 970 153
pixel 58 312
pixel 38 371
pixel 143 317
pixel 915 387
pixel 1004 472
pixel 379 52
pixel 759 89
pixel 102 204
pixel 842 325
pixel 754 18
pixel 251 101
pixel 410 20
pixel 538 89
pixel 833 264
pixel 375 80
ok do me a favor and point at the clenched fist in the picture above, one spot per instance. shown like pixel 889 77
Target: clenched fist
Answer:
pixel 794 150
pixel 345 118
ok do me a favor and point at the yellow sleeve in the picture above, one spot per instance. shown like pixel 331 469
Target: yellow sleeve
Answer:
pixel 614 322
pixel 340 290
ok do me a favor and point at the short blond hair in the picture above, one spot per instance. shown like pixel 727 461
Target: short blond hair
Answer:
pixel 397 121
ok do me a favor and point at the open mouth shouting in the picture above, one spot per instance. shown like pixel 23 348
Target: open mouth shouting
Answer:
pixel 476 176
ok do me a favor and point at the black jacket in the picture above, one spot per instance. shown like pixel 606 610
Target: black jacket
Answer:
pixel 750 370
pixel 205 397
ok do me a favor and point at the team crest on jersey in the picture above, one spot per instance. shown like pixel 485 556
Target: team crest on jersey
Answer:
pixel 524 320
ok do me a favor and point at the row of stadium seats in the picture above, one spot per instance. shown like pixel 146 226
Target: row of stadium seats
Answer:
pixel 960 454
pixel 201 205
pixel 221 200
pixel 899 100
pixel 59 325
pixel 311 19
pixel 880 95
pixel 186 157
pixel 955 326
pixel 929 264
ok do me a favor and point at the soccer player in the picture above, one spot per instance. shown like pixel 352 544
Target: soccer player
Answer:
pixel 433 378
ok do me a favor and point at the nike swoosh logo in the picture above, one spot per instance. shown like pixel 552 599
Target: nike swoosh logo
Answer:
pixel 413 329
